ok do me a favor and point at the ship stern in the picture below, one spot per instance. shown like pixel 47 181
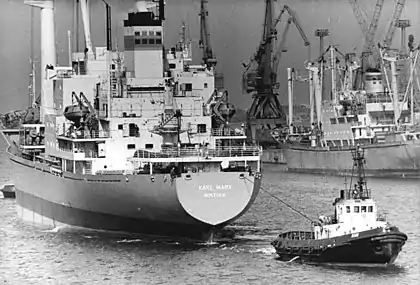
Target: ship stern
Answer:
pixel 217 198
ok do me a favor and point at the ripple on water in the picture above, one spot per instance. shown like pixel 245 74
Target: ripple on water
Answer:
pixel 31 256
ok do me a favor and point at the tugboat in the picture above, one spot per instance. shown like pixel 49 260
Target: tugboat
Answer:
pixel 355 234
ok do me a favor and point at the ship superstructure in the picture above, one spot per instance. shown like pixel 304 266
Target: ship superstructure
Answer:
pixel 135 140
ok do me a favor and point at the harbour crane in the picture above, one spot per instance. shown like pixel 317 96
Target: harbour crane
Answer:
pixel 370 31
pixel 204 43
pixel 260 76
pixel 281 47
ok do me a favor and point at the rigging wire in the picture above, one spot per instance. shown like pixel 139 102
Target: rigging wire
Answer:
pixel 284 203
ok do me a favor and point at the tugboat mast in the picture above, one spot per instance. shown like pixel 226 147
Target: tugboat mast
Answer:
pixel 360 189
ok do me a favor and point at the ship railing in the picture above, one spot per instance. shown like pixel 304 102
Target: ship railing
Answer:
pixel 201 152
pixel 227 132
pixel 94 134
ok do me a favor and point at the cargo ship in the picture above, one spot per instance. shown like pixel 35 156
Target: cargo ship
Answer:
pixel 135 140
pixel 380 117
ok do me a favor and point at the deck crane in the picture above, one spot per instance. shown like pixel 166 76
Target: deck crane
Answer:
pixel 204 43
pixel 221 109
pixel 281 47
pixel 265 109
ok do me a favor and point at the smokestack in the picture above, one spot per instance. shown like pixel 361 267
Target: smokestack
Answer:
pixel 48 53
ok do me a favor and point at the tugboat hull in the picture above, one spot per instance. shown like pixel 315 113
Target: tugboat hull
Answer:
pixel 373 247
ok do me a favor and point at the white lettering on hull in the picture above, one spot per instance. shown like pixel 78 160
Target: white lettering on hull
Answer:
pixel 209 187
pixel 215 195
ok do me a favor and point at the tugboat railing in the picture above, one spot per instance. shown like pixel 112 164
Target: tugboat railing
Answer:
pixel 297 235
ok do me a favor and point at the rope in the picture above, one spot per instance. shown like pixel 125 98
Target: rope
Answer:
pixel 284 203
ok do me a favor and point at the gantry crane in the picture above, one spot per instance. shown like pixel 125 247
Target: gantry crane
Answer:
pixel 260 76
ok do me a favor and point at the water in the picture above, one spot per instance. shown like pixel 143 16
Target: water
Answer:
pixel 31 256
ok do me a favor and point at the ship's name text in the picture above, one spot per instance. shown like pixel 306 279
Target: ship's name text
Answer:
pixel 214 195
pixel 209 187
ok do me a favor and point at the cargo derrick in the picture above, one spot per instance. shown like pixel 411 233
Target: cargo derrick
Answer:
pixel 266 109
pixel 222 111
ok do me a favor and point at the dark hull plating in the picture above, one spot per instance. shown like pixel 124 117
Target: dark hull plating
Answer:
pixel 369 247
pixel 133 203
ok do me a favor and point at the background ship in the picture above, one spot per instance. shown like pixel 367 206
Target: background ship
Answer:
pixel 133 141
pixel 373 104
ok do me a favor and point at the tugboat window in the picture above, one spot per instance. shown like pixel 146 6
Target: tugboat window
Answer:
pixel 356 209
pixel 363 209
pixel 370 209
pixel 348 209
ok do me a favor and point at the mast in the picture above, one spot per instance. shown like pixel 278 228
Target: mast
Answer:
pixel 360 190
pixel 84 7
pixel 48 53
pixel 32 90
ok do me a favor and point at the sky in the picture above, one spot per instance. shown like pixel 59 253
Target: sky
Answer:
pixel 235 27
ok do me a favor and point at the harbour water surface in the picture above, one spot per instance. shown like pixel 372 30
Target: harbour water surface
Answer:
pixel 30 255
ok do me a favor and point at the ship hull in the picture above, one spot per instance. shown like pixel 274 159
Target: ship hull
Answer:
pixel 191 208
pixel 386 159
pixel 372 247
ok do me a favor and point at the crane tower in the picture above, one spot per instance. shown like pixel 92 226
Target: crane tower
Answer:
pixel 265 112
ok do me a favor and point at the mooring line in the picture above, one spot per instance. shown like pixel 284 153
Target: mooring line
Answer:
pixel 286 204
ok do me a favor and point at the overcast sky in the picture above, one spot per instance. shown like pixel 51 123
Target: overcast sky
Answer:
pixel 235 33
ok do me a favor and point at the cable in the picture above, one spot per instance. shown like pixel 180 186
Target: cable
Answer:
pixel 284 203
